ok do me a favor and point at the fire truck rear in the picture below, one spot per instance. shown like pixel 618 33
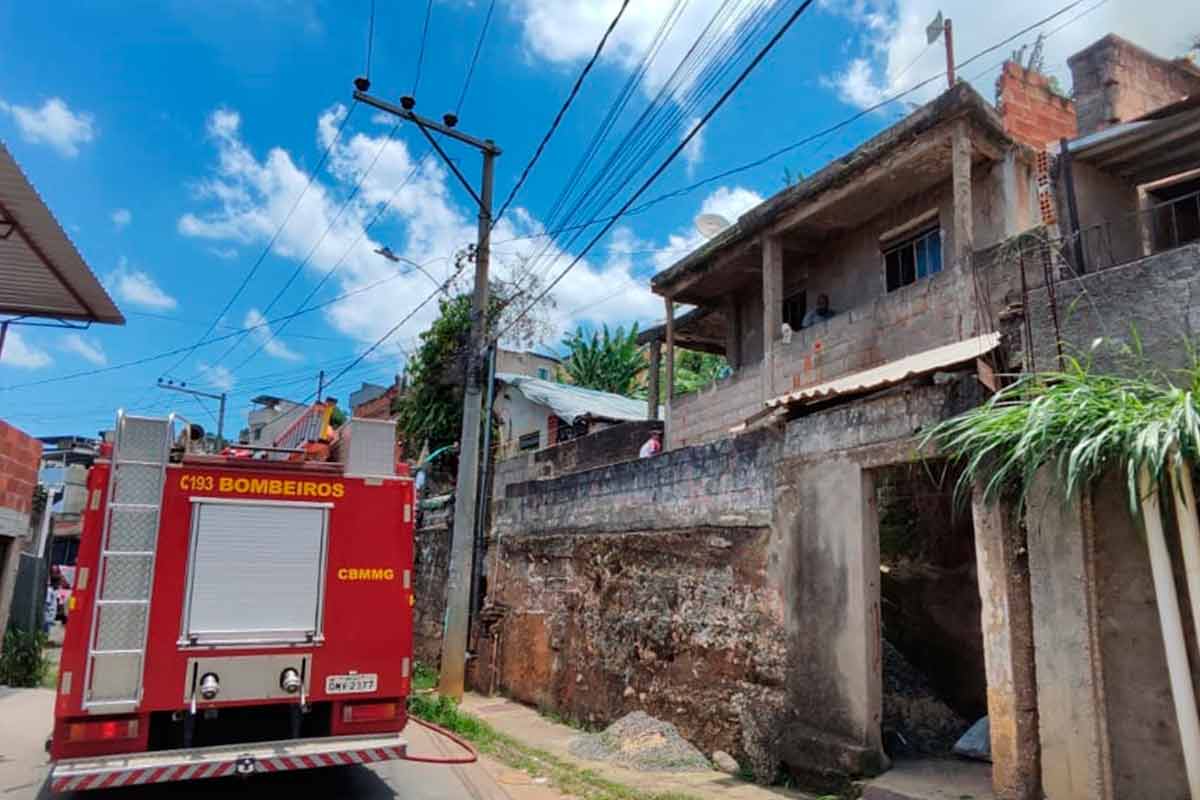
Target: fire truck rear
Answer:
pixel 236 614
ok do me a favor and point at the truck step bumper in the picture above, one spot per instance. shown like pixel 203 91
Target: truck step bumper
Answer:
pixel 195 763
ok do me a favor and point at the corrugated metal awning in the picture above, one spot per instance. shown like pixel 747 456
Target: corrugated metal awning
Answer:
pixel 893 372
pixel 41 272
pixel 575 402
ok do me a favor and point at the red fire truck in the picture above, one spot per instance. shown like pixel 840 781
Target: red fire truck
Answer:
pixel 234 614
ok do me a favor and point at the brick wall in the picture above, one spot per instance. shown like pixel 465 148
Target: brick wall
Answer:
pixel 20 456
pixel 1116 81
pixel 726 483
pixel 379 408
pixel 1031 111
pixel 1154 296
pixel 932 312
pixel 610 445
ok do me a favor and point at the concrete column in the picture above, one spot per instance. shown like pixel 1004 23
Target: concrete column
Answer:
pixel 1070 685
pixel 964 220
pixel 670 392
pixel 1008 651
pixel 772 292
pixel 733 332
pixel 652 383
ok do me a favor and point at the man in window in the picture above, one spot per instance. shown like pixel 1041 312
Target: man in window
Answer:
pixel 820 313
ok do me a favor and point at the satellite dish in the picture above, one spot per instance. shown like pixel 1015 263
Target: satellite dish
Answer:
pixel 710 225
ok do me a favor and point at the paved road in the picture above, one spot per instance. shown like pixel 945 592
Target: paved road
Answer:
pixel 25 717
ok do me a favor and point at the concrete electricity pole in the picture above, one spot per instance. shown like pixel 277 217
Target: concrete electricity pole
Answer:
pixel 458 585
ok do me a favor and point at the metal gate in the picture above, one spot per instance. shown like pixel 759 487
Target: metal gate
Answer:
pixel 116 650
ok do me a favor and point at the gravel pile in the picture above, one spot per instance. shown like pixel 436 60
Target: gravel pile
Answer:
pixel 639 741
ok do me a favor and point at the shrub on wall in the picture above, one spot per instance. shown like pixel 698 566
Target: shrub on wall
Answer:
pixel 21 659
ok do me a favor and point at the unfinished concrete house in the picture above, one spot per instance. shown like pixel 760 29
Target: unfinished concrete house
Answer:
pixel 791 580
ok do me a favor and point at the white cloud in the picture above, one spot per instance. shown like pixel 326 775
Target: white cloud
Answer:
pixel 889 53
pixel 567 31
pixel 122 217
pixel 138 288
pixel 218 376
pixel 54 124
pixel 693 151
pixel 729 202
pixel 261 332
pixel 19 353
pixel 247 198
pixel 224 253
pixel 91 352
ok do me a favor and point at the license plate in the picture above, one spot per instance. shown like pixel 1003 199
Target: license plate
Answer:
pixel 351 684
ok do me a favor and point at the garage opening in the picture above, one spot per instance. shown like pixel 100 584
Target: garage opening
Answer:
pixel 934 679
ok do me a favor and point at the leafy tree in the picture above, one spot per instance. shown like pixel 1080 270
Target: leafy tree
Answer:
pixel 693 371
pixel 430 410
pixel 604 360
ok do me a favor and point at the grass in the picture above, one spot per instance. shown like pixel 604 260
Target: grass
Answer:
pixel 568 778
pixel 1081 423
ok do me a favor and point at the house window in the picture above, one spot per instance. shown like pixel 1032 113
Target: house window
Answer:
pixel 530 441
pixel 794 309
pixel 543 373
pixel 911 259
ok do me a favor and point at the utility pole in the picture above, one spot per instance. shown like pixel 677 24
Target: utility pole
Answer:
pixel 197 393
pixel 458 585
pixel 321 386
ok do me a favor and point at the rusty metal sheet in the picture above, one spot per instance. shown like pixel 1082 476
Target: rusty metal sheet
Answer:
pixel 893 372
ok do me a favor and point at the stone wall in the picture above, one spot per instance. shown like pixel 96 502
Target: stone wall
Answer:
pixel 431 567
pixel 731 588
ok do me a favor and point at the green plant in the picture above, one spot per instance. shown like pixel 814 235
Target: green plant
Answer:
pixel 1079 422
pixel 603 360
pixel 21 662
pixel 563 775
pixel 425 677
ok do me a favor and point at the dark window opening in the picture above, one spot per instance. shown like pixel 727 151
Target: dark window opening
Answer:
pixel 912 259
pixel 530 441
pixel 794 309
pixel 1175 217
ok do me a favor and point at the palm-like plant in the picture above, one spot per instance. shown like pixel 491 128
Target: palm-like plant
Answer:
pixel 604 360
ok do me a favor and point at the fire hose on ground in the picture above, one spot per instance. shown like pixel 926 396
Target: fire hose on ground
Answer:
pixel 458 740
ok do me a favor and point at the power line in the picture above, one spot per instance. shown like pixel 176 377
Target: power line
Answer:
pixel 312 250
pixel 421 51
pixel 475 58
pixel 757 162
pixel 187 352
pixel 745 73
pixel 383 206
pixel 561 112
pixel 167 354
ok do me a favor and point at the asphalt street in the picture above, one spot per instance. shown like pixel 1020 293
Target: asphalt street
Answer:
pixel 25 716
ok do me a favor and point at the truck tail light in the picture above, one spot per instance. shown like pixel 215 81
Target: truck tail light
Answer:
pixel 369 712
pixel 102 730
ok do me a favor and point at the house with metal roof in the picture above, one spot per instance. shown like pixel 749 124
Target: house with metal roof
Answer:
pixel 534 414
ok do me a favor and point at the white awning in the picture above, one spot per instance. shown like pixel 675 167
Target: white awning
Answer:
pixel 41 272
pixel 893 372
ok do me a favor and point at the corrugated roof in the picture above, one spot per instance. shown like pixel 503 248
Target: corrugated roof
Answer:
pixel 574 402
pixel 41 272
pixel 1158 146
pixel 893 372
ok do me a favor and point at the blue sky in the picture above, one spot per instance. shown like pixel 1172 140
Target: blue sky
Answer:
pixel 171 139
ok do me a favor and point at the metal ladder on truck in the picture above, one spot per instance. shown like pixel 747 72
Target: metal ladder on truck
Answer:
pixel 121 611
